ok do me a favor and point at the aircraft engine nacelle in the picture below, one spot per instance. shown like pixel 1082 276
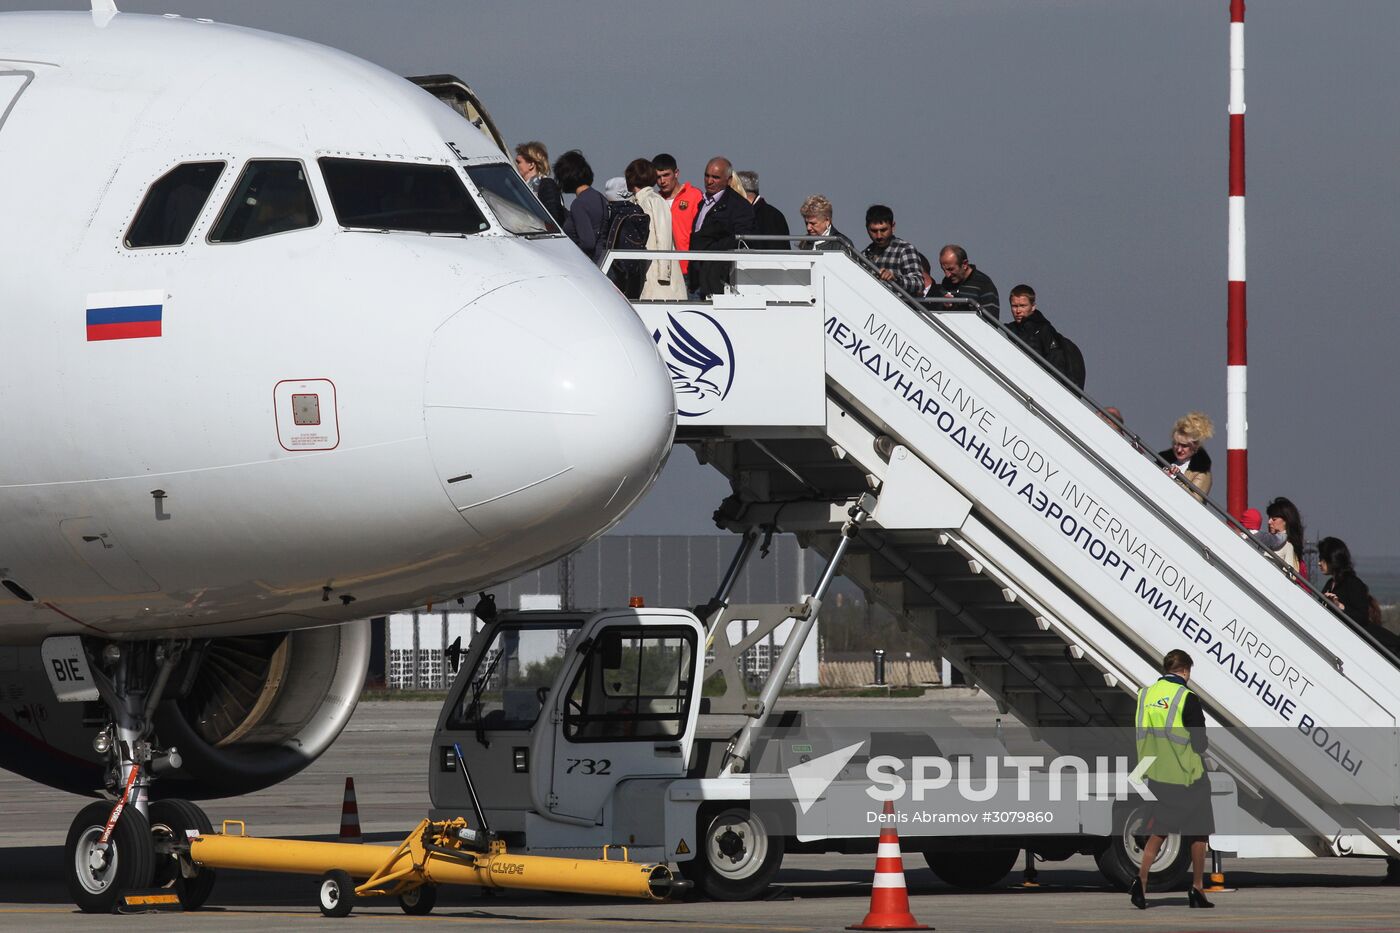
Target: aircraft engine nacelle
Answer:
pixel 245 712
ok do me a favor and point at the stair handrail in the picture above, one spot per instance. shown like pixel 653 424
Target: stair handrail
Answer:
pixel 930 316
pixel 922 308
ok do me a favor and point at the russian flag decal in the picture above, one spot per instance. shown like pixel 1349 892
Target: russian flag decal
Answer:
pixel 124 315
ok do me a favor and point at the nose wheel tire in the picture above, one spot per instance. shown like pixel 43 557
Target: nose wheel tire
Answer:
pixel 172 820
pixel 336 896
pixel 419 901
pixel 739 854
pixel 98 877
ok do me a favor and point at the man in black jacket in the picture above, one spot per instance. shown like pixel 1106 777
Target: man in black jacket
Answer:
pixel 723 214
pixel 1035 329
pixel 768 220
pixel 961 279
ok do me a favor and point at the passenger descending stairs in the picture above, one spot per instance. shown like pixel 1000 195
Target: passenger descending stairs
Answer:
pixel 1046 554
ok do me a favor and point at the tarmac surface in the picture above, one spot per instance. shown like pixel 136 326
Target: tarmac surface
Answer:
pixel 385 748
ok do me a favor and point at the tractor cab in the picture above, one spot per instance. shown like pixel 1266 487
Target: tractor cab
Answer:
pixel 552 710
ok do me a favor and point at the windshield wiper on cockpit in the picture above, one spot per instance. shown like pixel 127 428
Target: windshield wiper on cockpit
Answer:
pixel 477 688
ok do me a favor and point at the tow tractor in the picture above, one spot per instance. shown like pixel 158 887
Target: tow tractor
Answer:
pixel 585 729
pixel 434 853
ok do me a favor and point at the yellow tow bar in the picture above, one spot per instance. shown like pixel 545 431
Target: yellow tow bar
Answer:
pixel 434 853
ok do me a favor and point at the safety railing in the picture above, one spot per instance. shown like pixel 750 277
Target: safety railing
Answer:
pixel 929 310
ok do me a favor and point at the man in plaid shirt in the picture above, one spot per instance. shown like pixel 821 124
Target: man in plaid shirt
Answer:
pixel 896 259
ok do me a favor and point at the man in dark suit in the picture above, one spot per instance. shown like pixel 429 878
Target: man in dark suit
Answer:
pixel 723 214
pixel 768 220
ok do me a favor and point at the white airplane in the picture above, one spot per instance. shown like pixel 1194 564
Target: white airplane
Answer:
pixel 289 344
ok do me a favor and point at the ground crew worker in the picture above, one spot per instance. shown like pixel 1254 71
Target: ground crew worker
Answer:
pixel 1171 729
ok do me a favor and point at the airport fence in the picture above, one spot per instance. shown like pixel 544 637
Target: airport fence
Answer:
pixel 665 570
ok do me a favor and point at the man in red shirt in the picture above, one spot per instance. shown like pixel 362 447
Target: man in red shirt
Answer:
pixel 683 198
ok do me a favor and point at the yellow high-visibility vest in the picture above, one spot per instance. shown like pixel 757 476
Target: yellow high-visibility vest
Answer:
pixel 1162 733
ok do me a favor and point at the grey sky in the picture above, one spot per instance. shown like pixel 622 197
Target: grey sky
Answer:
pixel 1077 146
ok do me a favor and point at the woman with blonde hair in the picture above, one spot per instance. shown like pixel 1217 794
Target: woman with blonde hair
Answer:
pixel 1186 459
pixel 736 184
pixel 532 162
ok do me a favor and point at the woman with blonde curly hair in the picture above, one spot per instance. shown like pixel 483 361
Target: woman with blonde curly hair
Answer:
pixel 1186 459
pixel 532 162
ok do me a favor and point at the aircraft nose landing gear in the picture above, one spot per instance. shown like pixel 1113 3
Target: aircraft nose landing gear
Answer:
pixel 113 847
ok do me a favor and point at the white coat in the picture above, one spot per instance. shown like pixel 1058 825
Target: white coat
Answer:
pixel 664 279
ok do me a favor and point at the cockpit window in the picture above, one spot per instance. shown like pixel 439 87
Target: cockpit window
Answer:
pixel 271 196
pixel 401 196
pixel 510 200
pixel 171 207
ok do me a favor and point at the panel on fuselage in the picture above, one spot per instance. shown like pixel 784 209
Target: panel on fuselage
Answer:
pixel 97 547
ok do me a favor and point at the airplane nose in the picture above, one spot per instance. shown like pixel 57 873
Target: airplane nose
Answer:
pixel 548 411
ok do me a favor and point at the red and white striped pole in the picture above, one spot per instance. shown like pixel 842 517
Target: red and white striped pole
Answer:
pixel 1236 426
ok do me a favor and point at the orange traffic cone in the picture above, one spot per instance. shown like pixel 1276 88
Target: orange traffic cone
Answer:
pixel 350 815
pixel 889 898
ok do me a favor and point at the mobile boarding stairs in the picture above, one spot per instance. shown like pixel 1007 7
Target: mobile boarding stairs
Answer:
pixel 1042 548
